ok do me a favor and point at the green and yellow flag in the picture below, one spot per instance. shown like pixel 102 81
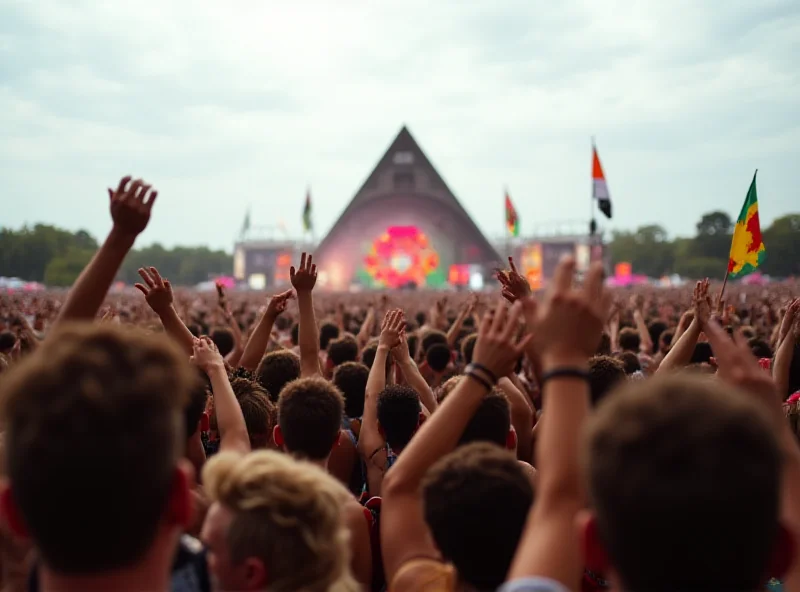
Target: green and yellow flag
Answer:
pixel 747 247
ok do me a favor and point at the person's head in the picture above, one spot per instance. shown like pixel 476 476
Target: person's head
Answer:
pixel 447 387
pixel 276 370
pixel 7 341
pixel 223 339
pixel 274 524
pixel 630 362
pixel 684 483
pixel 605 373
pixel 343 349
pixel 438 357
pixel 760 348
pixel 476 500
pixel 665 341
pixel 93 448
pixel 656 328
pixel 629 340
pixel 310 412
pixel 702 353
pixel 491 423
pixel 398 414
pixel 412 339
pixel 294 334
pixel 258 410
pixel 467 347
pixel 431 337
pixel 604 347
pixel 327 332
pixel 368 354
pixel 351 380
pixel 196 403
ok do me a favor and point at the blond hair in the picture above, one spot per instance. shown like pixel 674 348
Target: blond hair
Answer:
pixel 288 514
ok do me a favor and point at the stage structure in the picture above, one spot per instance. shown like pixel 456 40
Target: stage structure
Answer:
pixel 404 229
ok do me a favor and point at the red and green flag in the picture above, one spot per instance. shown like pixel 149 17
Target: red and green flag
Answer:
pixel 747 247
pixel 512 221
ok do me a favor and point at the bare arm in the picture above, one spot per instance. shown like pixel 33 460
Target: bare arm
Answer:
pixel 259 340
pixel 232 429
pixel 366 329
pixel 159 297
pixel 303 280
pixel 521 418
pixel 405 534
pixel 130 211
pixel 783 358
pixel 412 375
pixel 571 323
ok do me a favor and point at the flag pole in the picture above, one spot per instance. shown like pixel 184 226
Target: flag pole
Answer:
pixel 722 291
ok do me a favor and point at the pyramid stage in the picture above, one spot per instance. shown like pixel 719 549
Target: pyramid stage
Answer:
pixel 404 228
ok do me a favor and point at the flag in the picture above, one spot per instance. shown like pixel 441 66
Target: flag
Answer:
pixel 246 223
pixel 512 221
pixel 307 225
pixel 599 187
pixel 747 247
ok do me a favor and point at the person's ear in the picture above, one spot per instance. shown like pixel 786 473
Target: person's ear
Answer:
pixel 180 495
pixel 10 513
pixel 255 573
pixel 277 435
pixel 205 422
pixel 782 553
pixel 421 420
pixel 511 439
pixel 594 553
pixel 381 431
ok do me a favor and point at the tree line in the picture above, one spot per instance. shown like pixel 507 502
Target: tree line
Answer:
pixel 651 252
pixel 55 257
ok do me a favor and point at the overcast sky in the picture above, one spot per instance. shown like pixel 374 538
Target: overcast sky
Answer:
pixel 222 105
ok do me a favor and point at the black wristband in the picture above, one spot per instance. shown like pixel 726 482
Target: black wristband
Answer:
pixel 484 369
pixel 565 372
pixel 479 379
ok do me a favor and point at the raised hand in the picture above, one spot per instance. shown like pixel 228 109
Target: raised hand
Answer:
pixel 157 290
pixel 515 287
pixel 702 302
pixel 206 355
pixel 393 325
pixel 131 204
pixel 400 351
pixel 304 278
pixel 739 367
pixel 790 317
pixel 277 304
pixel 497 348
pixel 570 320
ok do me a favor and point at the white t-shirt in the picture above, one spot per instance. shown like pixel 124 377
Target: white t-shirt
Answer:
pixel 533 585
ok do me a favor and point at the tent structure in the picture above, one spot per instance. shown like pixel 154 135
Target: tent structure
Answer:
pixel 403 227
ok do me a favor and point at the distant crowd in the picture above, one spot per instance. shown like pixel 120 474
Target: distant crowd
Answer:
pixel 581 438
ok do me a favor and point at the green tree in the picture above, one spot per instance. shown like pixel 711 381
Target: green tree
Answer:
pixel 64 269
pixel 782 241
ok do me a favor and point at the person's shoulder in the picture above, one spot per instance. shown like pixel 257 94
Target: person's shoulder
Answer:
pixel 424 573
pixel 533 584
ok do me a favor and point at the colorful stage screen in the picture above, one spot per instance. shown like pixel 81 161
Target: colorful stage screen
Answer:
pixel 401 257
pixel 531 261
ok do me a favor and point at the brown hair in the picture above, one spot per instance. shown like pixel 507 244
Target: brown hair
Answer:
pixel 476 500
pixel 670 463
pixel 94 431
pixel 276 370
pixel 260 414
pixel 310 412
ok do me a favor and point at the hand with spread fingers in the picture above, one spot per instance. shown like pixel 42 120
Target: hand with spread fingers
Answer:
pixel 278 303
pixel 206 355
pixel 157 290
pixel 131 204
pixel 702 302
pixel 570 321
pixel 304 278
pixel 498 347
pixel 393 325
pixel 739 367
pixel 515 287
pixel 790 317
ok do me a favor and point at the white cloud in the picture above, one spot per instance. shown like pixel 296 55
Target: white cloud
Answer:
pixel 222 105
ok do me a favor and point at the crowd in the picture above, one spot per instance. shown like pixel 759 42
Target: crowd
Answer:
pixel 579 439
